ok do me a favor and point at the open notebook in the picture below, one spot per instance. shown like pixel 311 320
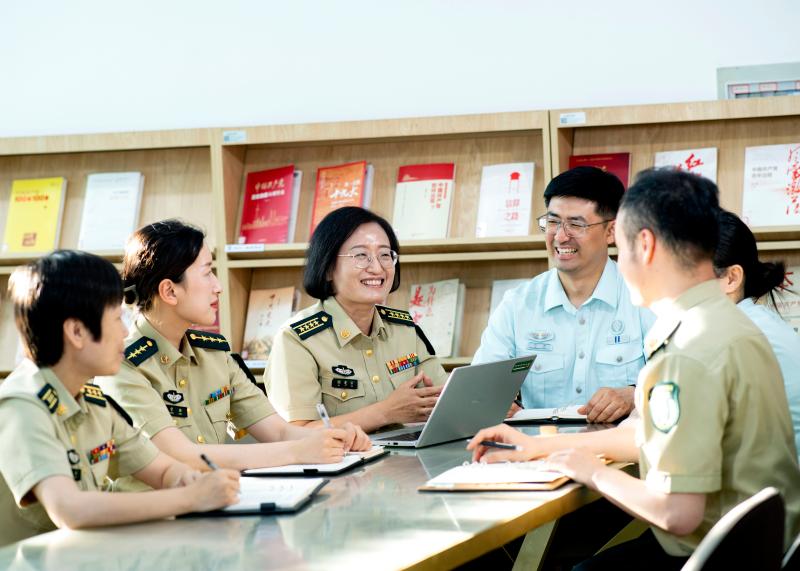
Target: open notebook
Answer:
pixel 503 476
pixel 561 414
pixel 351 460
pixel 269 496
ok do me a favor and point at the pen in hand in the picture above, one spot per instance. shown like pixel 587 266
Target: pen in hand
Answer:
pixel 323 414
pixel 501 445
pixel 210 463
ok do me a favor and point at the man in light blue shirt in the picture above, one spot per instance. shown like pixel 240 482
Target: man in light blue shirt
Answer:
pixel 577 318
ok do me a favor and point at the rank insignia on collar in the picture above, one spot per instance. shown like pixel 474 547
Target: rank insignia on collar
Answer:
pixel 73 456
pixel 142 349
pixel 93 394
pixel 173 396
pixel 49 397
pixel 342 370
pixel 103 452
pixel 344 383
pixel 177 411
pixel 218 395
pixel 206 340
pixel 402 363
pixel 395 315
pixel 312 325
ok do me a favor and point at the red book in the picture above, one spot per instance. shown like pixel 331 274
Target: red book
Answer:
pixel 270 206
pixel 341 185
pixel 618 164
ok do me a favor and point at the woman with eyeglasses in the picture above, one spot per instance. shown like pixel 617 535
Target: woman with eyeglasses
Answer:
pixel 367 363
pixel 745 279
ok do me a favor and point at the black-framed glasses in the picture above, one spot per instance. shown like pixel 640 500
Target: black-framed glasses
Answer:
pixel 550 224
pixel 362 260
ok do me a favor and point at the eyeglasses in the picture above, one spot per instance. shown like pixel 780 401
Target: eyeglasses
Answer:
pixel 362 260
pixel 550 225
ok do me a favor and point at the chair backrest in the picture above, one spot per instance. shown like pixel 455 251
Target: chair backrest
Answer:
pixel 750 536
pixel 791 561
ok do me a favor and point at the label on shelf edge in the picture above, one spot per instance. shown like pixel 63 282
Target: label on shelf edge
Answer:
pixel 234 136
pixel 255 363
pixel 575 118
pixel 243 248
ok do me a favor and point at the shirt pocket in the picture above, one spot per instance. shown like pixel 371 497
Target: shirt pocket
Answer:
pixel 219 413
pixel 547 373
pixel 341 401
pixel 99 474
pixel 619 365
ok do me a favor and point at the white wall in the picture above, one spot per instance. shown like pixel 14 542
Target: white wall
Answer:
pixel 91 65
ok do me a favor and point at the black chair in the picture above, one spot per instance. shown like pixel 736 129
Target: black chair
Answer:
pixel 750 536
pixel 791 561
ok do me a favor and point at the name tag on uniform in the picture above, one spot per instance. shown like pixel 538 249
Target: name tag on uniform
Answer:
pixel 177 411
pixel 617 339
pixel 538 346
pixel 344 383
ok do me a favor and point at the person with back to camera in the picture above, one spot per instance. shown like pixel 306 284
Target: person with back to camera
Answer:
pixel 745 279
pixel 60 436
pixel 367 363
pixel 183 387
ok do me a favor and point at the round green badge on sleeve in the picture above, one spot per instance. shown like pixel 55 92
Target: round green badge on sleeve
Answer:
pixel 665 406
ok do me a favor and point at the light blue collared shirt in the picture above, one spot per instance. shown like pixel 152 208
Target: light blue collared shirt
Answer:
pixel 578 350
pixel 786 346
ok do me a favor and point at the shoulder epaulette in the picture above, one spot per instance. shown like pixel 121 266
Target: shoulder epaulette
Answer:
pixel 121 411
pixel 207 340
pixel 49 397
pixel 140 350
pixel 312 325
pixel 395 315
pixel 93 394
pixel 428 344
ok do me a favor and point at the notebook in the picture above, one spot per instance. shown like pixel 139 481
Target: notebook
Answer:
pixel 351 460
pixel 503 476
pixel 560 414
pixel 269 496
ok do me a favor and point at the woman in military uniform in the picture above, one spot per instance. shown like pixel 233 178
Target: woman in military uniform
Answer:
pixel 61 438
pixel 182 386
pixel 367 363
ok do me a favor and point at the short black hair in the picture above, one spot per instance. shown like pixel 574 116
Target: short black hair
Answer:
pixel 156 252
pixel 65 284
pixel 327 239
pixel 589 183
pixel 737 246
pixel 680 208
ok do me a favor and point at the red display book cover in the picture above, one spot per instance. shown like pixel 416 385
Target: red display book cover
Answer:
pixel 618 164
pixel 267 208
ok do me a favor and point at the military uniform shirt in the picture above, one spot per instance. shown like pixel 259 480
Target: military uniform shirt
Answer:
pixel 785 344
pixel 200 389
pixel 578 350
pixel 45 431
pixel 714 416
pixel 338 365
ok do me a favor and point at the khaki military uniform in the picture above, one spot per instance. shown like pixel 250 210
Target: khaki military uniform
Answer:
pixel 714 416
pixel 45 431
pixel 200 389
pixel 322 356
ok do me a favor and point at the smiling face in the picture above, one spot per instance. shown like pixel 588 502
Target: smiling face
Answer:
pixel 578 254
pixel 198 293
pixel 368 286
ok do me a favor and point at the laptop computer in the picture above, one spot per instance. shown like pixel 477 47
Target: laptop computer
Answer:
pixel 474 397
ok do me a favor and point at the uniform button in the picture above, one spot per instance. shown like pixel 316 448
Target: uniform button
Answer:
pixel 62 410
pixel 582 321
pixel 73 438
pixel 200 439
pixel 188 411
pixel 581 355
pixel 345 333
pixel 619 358
pixel 164 359
pixel 579 390
pixel 344 394
pixel 537 366
pixel 228 415
pixel 376 379
pixel 182 383
pixel 175 421
pixel 368 352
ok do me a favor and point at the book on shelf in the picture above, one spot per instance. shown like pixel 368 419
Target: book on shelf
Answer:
pixel 702 162
pixel 499 289
pixel 110 210
pixel 438 308
pixel 502 476
pixel 618 164
pixel 771 194
pixel 33 223
pixel 339 186
pixel 259 496
pixel 267 310
pixel 351 460
pixel 504 204
pixel 560 414
pixel 269 206
pixel 422 200
pixel 787 301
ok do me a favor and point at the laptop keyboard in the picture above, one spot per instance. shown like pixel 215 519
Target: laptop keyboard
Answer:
pixel 410 437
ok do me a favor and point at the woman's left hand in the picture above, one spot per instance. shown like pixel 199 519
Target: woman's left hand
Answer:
pixel 357 440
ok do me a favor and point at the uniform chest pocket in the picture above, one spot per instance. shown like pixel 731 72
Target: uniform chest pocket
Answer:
pixel 341 400
pixel 619 365
pixel 547 374
pixel 219 413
